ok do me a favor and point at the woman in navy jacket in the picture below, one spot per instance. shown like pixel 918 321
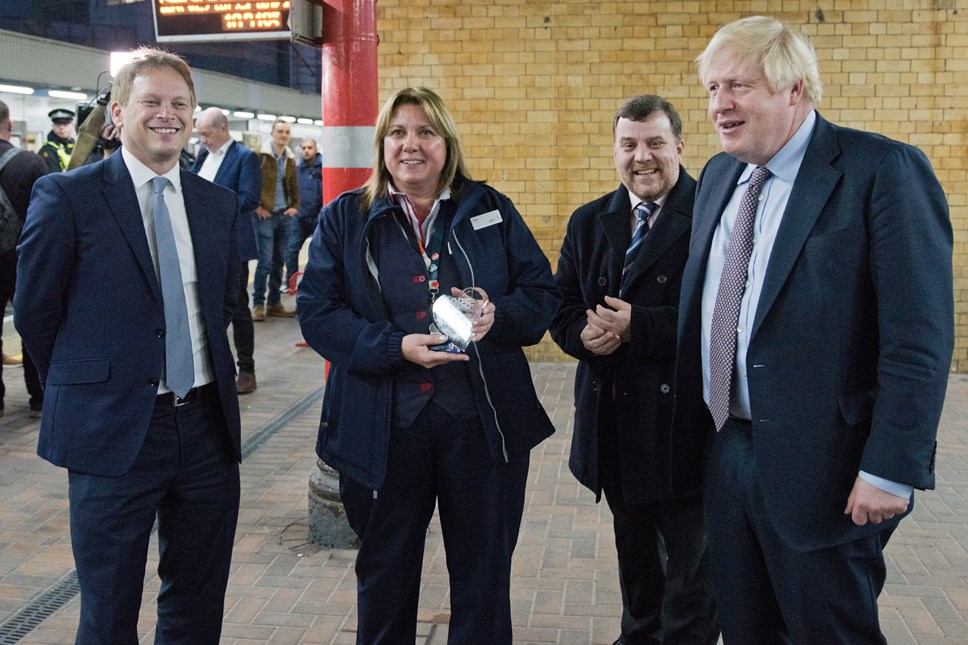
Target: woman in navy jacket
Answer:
pixel 408 427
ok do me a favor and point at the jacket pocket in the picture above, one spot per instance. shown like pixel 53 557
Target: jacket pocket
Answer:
pixel 843 239
pixel 857 406
pixel 89 370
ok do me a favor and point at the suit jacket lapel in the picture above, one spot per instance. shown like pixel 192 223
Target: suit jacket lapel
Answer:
pixel 204 242
pixel 673 221
pixel 714 192
pixel 227 162
pixel 200 160
pixel 616 224
pixel 119 194
pixel 668 227
pixel 815 182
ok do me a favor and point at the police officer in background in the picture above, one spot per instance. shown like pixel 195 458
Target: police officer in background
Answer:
pixel 60 141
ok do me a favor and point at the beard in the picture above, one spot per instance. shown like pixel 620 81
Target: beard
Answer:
pixel 649 188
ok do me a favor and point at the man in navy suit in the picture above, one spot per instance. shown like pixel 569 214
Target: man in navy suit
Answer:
pixel 228 163
pixel 619 277
pixel 816 324
pixel 99 246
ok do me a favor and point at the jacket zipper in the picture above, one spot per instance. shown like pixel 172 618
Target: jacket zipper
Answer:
pixel 480 361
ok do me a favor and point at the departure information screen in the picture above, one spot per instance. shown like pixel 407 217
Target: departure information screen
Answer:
pixel 210 20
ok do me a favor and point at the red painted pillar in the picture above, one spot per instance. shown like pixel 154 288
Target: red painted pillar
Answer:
pixel 349 111
pixel 349 90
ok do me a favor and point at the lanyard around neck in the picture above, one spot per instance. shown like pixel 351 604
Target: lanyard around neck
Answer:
pixel 429 249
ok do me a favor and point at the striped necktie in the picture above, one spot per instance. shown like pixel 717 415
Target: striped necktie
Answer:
pixel 642 214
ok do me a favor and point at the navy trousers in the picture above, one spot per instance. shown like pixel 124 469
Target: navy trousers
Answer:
pixel 767 592
pixel 8 281
pixel 444 462
pixel 663 561
pixel 243 331
pixel 187 476
pixel 300 228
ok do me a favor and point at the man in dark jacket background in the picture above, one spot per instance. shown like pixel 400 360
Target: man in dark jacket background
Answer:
pixel 17 179
pixel 228 163
pixel 309 174
pixel 619 275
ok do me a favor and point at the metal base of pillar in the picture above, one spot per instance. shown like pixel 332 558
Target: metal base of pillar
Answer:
pixel 328 527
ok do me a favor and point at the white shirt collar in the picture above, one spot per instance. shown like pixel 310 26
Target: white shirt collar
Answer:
pixel 142 174
pixel 785 164
pixel 635 200
pixel 222 149
pixel 445 194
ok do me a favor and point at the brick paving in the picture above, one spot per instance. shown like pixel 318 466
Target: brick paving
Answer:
pixel 565 586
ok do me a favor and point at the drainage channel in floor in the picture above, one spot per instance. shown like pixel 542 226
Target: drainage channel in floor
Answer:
pixel 45 604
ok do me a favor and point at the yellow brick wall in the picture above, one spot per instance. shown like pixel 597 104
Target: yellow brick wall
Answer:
pixel 534 85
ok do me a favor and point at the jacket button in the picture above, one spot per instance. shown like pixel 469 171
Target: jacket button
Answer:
pixel 160 333
pixel 602 281
pixel 426 387
pixel 153 382
pixel 661 279
pixel 421 315
pixel 664 388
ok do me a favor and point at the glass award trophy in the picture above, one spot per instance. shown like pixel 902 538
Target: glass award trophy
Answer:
pixel 454 316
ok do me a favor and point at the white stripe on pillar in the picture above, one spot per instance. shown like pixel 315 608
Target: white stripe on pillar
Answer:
pixel 347 146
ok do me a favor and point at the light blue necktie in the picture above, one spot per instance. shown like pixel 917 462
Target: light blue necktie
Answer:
pixel 642 213
pixel 179 366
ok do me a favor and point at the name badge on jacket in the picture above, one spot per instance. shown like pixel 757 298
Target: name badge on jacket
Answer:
pixel 489 218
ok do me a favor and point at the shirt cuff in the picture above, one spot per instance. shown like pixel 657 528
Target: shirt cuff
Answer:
pixel 900 490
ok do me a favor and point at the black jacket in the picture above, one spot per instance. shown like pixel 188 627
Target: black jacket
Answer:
pixel 640 374
pixel 343 317
pixel 19 175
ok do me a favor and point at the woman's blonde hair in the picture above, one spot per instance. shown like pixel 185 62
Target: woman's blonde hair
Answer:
pixel 443 124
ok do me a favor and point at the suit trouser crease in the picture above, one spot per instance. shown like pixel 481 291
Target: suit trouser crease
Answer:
pixel 663 559
pixel 243 330
pixel 186 475
pixel 769 592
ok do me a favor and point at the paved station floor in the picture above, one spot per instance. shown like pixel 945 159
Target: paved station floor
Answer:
pixel 284 590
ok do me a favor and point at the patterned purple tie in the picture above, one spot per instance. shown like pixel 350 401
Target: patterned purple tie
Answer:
pixel 732 284
pixel 642 213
